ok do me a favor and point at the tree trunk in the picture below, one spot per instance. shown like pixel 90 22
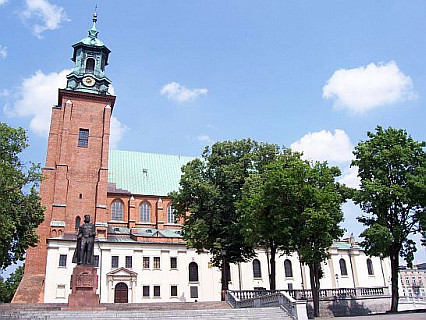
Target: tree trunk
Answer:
pixel 272 280
pixel 394 271
pixel 315 286
pixel 224 279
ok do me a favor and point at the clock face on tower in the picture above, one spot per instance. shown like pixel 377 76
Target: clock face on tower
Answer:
pixel 89 81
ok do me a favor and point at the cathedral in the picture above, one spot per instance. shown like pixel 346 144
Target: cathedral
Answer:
pixel 140 254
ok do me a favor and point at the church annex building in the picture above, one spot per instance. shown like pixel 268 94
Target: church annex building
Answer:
pixel 140 254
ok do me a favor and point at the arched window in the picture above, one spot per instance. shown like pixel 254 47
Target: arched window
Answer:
pixel 370 267
pixel 170 215
pixel 90 65
pixel 145 210
pixel 193 271
pixel 343 270
pixel 257 272
pixel 117 210
pixel 288 269
pixel 77 222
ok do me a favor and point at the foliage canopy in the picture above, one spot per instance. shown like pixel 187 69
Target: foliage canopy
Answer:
pixel 20 209
pixel 392 170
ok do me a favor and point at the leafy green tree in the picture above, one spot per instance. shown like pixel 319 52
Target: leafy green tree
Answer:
pixel 263 219
pixel 20 209
pixel 8 287
pixel 392 170
pixel 294 206
pixel 209 189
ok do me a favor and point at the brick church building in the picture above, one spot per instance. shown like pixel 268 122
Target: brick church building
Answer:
pixel 139 252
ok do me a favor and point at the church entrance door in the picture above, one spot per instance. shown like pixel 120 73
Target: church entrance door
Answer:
pixel 120 293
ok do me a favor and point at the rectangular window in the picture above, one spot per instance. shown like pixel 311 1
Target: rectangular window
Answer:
pixel 194 291
pixel 290 286
pixel 156 262
pixel 145 263
pixel 63 260
pixel 60 291
pixel 173 263
pixel 156 291
pixel 128 262
pixel 114 262
pixel 145 291
pixel 173 291
pixel 96 261
pixel 83 138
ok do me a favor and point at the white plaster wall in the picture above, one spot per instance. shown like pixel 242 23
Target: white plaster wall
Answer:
pixel 209 284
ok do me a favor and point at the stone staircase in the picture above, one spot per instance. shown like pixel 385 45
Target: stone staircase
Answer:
pixel 144 313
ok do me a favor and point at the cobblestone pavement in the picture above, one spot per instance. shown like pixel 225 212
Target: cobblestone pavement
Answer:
pixel 397 316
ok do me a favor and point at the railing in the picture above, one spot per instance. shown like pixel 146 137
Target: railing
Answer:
pixel 294 301
pixel 267 298
pixel 324 293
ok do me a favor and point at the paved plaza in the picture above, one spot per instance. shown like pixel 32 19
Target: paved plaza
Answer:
pixel 387 316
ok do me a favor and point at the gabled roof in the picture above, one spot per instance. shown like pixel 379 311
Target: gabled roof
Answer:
pixel 122 271
pixel 144 173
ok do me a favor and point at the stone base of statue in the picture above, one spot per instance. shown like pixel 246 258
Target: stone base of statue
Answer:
pixel 84 282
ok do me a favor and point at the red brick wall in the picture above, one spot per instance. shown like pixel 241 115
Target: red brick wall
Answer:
pixel 75 178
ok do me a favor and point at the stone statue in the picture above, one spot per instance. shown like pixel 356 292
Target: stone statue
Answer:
pixel 83 254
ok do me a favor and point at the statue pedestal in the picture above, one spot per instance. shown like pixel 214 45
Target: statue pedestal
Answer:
pixel 84 282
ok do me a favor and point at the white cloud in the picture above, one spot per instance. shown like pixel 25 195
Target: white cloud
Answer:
pixel 204 139
pixel 367 87
pixel 3 52
pixel 43 16
pixel 36 96
pixel 2 2
pixel 177 92
pixel 324 145
pixel 4 93
pixel 350 177
pixel 117 131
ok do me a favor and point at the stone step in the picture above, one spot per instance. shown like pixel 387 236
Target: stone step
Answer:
pixel 242 314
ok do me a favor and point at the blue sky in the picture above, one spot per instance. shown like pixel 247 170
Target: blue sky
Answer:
pixel 314 75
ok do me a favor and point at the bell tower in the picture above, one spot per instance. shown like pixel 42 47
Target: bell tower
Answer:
pixel 76 171
pixel 90 57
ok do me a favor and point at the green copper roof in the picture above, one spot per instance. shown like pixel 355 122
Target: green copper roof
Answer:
pixel 92 39
pixel 145 173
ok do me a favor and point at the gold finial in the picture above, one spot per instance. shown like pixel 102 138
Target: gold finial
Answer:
pixel 95 17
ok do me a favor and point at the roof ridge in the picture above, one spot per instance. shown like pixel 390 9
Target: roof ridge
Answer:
pixel 155 153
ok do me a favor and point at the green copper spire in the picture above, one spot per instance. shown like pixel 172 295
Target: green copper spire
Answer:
pixel 93 33
pixel 90 58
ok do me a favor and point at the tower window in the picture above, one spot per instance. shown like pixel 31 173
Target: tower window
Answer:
pixel 90 65
pixel 83 138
